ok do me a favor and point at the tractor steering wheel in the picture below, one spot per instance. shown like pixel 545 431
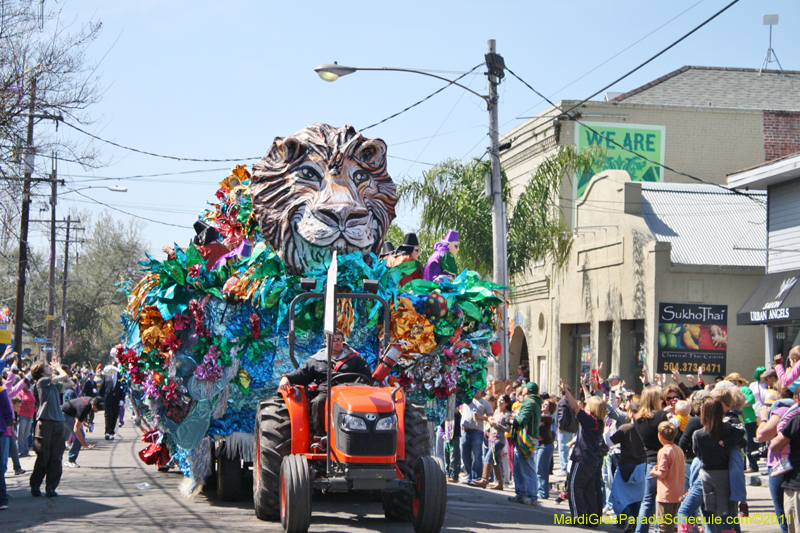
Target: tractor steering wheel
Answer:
pixel 360 378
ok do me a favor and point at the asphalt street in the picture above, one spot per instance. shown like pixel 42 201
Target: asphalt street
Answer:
pixel 105 495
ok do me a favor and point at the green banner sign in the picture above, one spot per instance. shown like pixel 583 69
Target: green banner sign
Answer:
pixel 641 138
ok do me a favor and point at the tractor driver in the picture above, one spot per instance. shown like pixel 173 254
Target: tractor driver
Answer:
pixel 344 360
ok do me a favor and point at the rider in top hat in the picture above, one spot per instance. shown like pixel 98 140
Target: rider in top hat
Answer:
pixel 408 251
pixel 443 261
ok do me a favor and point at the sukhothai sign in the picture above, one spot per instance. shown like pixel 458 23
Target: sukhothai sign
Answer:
pixel 643 139
pixel 691 335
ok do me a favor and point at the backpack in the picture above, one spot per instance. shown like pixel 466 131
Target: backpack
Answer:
pixel 568 421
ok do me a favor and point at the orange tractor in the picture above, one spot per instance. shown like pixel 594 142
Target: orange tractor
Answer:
pixel 376 441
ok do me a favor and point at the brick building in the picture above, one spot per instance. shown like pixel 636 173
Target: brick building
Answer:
pixel 702 121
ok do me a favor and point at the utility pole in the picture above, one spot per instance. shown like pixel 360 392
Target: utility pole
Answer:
pixel 51 283
pixel 19 313
pixel 64 294
pixel 496 65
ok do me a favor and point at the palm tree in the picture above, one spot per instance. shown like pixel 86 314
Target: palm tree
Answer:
pixel 452 196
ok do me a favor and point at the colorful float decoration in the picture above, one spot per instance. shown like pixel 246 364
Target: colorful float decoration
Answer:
pixel 205 330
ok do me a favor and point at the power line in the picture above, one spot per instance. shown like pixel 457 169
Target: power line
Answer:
pixel 712 17
pixel 423 100
pixel 130 214
pixel 157 155
pixel 612 141
pixel 111 178
pixel 614 56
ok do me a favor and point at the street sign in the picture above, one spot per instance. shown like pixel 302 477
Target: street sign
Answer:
pixel 40 340
pixel 48 348
pixel 50 317
pixel 330 297
pixel 5 336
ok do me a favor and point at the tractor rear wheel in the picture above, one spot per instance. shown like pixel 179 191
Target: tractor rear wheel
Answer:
pixel 430 496
pixel 295 493
pixel 397 506
pixel 273 443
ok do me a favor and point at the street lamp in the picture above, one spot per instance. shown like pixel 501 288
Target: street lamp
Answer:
pixel 495 66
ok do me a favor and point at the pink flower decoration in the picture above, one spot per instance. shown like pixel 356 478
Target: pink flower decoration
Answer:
pixel 172 343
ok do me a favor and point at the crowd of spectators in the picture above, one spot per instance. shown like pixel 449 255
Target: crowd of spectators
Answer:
pixel 674 455
pixel 47 408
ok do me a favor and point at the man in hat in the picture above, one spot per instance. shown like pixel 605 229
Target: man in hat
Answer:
pixel 443 260
pixel 387 248
pixel 206 242
pixel 113 395
pixel 529 415
pixel 408 251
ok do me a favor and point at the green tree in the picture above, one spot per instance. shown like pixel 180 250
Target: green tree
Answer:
pixel 96 286
pixel 452 196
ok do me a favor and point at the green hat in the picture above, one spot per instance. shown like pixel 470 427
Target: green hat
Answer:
pixel 532 387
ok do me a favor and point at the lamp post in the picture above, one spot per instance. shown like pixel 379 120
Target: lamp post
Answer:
pixel 495 66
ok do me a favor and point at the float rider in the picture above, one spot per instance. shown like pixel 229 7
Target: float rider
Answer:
pixel 314 373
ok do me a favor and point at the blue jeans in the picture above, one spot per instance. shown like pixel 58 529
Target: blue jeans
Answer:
pixel 438 449
pixel 736 466
pixel 75 445
pixel 4 442
pixel 525 481
pixel 541 458
pixel 494 454
pixel 608 479
pixel 452 458
pixel 776 491
pixel 23 432
pixel 563 453
pixel 648 508
pixel 692 502
pixel 13 453
pixel 471 454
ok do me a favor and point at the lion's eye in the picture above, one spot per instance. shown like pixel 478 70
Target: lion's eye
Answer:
pixel 360 177
pixel 310 174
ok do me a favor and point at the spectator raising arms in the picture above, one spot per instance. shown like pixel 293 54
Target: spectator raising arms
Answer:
pixel 585 458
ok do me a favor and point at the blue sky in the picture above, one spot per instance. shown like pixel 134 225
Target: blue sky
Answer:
pixel 202 80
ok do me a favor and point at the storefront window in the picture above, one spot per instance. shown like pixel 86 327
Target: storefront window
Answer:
pixel 784 337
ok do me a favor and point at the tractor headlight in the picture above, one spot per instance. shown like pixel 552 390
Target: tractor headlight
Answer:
pixel 353 423
pixel 387 424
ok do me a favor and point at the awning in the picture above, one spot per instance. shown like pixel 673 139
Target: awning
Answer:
pixel 775 299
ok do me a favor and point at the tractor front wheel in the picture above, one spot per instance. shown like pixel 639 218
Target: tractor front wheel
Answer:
pixel 295 494
pixel 430 496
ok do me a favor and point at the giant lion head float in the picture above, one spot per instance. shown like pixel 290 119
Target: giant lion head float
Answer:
pixel 323 189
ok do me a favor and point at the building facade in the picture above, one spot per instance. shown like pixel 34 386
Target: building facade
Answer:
pixel 774 305
pixel 646 232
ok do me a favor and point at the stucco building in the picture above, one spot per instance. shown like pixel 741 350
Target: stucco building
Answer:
pixel 696 124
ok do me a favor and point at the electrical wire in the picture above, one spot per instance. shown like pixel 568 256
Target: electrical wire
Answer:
pixel 675 43
pixel 423 100
pixel 92 135
pixel 129 214
pixel 612 141
pixel 138 176
pixel 612 57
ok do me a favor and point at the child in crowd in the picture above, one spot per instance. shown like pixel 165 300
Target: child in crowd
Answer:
pixel 682 410
pixel 669 474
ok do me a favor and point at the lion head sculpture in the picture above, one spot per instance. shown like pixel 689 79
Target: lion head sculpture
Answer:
pixel 323 189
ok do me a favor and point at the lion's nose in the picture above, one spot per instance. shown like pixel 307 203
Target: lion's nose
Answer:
pixel 342 215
